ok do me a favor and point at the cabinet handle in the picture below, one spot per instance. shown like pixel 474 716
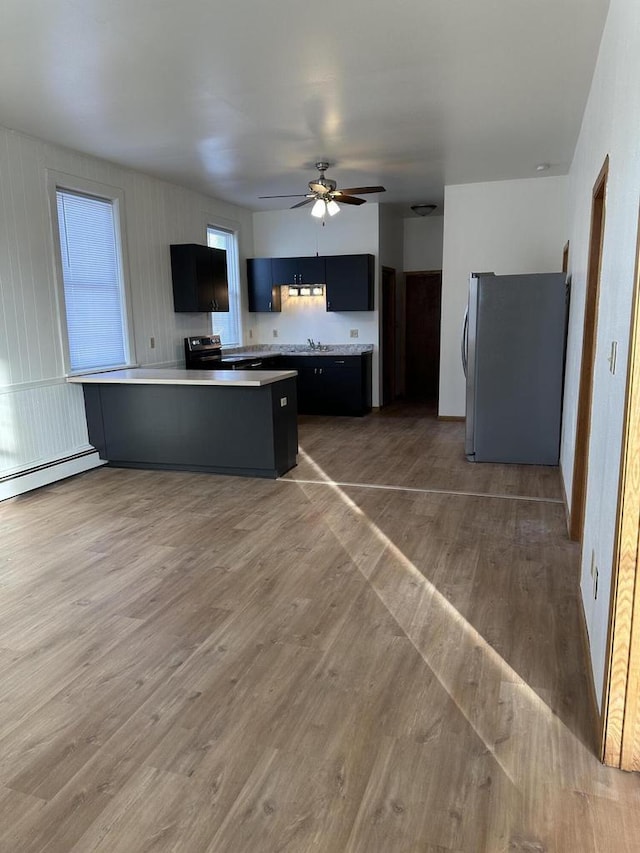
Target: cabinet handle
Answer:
pixel 328 305
pixel 320 370
pixel 269 305
pixel 339 361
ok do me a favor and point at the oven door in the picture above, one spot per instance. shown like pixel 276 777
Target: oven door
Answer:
pixel 203 362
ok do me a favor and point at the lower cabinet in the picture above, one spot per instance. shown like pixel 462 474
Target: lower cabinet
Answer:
pixel 332 385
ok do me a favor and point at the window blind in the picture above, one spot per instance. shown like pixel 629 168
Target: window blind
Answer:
pixel 93 294
pixel 227 324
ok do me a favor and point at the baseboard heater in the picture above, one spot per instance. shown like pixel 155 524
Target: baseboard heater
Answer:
pixel 19 482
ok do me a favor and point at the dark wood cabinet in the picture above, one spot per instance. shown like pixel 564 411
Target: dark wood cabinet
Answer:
pixel 309 270
pixel 199 276
pixel 263 295
pixel 332 385
pixel 349 282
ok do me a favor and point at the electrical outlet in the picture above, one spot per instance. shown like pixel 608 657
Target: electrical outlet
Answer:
pixel 275 333
pixel 152 343
pixel 283 402
pixel 353 333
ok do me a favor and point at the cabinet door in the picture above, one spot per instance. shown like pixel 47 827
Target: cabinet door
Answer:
pixel 298 270
pixel 219 280
pixel 349 280
pixel 284 270
pixel 311 270
pixel 263 295
pixel 199 277
pixel 307 391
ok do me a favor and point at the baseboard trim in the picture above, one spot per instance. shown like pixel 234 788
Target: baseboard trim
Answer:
pixel 47 473
pixel 596 717
pixel 451 417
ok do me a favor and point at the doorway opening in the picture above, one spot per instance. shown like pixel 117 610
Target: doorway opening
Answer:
pixel 422 359
pixel 583 428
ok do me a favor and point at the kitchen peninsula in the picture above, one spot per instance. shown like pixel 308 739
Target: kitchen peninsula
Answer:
pixel 241 422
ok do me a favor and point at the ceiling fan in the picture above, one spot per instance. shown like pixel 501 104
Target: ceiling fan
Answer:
pixel 324 192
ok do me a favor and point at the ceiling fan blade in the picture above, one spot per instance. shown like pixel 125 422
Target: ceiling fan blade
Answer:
pixel 349 199
pixel 295 195
pixel 362 190
pixel 302 203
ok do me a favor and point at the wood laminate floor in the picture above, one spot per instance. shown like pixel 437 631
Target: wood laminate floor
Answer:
pixel 203 664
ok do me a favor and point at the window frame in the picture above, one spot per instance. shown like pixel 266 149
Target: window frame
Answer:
pixel 59 181
pixel 233 230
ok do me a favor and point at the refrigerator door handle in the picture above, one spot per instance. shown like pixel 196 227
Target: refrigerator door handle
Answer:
pixel 464 342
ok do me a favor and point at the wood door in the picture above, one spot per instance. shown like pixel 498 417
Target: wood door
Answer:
pixel 389 331
pixel 620 732
pixel 583 429
pixel 423 303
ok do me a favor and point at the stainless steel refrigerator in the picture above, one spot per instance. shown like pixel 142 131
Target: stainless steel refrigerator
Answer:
pixel 513 347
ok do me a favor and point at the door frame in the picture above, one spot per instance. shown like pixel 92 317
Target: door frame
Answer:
pixel 389 297
pixel 590 328
pixel 620 718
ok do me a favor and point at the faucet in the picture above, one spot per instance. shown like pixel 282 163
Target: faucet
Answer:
pixel 311 342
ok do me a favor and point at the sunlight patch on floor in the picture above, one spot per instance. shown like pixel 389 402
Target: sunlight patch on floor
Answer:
pixel 451 615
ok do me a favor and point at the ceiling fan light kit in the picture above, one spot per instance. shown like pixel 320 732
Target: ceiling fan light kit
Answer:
pixel 318 209
pixel 324 193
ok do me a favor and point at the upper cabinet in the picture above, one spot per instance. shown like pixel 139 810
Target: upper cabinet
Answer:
pixel 199 275
pixel 263 294
pixel 350 282
pixel 298 270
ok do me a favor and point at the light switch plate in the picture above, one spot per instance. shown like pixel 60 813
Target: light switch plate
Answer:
pixel 353 333
pixel 283 402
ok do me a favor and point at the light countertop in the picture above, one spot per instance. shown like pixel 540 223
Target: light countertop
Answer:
pixel 177 376
pixel 265 351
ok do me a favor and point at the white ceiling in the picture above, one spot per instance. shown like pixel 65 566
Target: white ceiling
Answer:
pixel 239 99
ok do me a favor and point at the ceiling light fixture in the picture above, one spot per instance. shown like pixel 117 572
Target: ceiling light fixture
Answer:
pixel 318 209
pixel 324 205
pixel 542 167
pixel 423 209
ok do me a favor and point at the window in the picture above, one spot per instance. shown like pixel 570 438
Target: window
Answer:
pixel 92 276
pixel 227 325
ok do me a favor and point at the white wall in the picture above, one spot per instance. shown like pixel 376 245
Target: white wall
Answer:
pixel 292 233
pixel 42 417
pixel 392 255
pixel 423 243
pixel 506 227
pixel 610 126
